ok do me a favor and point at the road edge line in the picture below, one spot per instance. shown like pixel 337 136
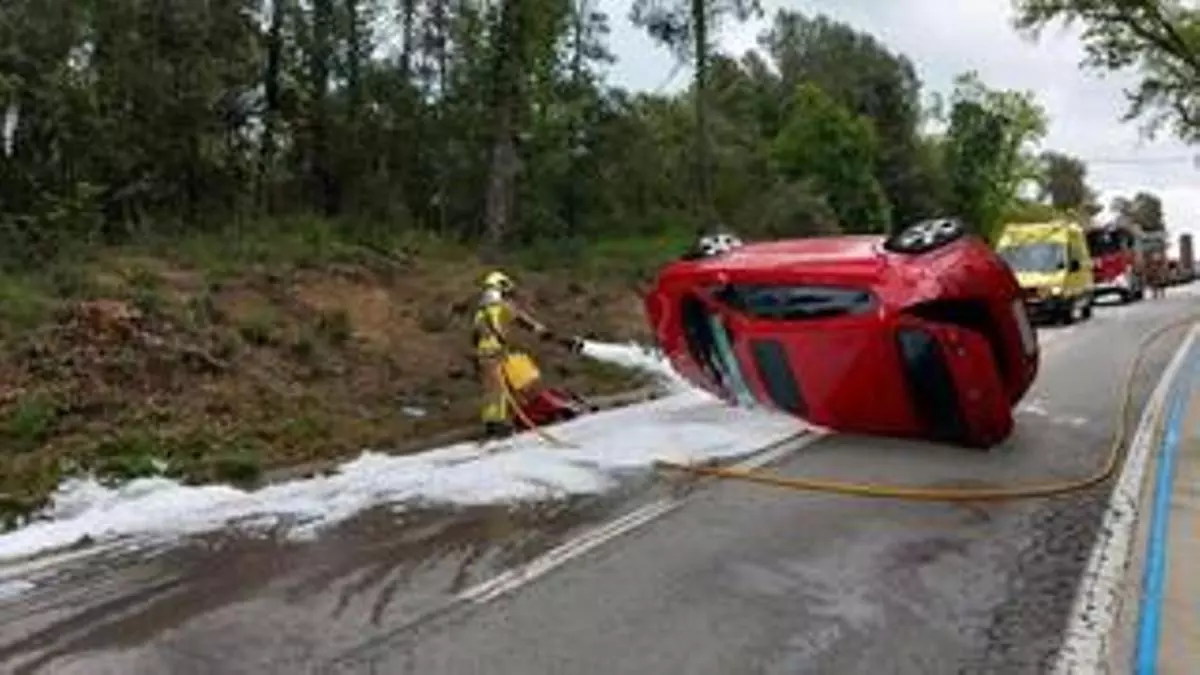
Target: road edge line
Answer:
pixel 1147 641
pixel 1085 645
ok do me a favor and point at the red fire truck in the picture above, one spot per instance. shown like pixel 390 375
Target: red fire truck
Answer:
pixel 1119 267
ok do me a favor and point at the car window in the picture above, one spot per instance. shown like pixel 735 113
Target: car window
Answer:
pixel 1039 257
pixel 794 302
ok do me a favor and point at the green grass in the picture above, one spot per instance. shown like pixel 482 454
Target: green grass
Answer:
pixel 631 257
pixel 29 423
pixel 24 301
pixel 301 242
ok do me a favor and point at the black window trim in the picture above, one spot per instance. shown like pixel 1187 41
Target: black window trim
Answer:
pixel 856 300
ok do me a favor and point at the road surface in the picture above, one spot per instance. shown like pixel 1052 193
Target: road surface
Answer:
pixel 724 577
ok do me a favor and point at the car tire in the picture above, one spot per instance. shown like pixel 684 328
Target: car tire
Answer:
pixel 1067 316
pixel 925 236
pixel 1087 309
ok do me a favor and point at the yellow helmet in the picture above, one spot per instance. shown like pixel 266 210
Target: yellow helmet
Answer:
pixel 499 281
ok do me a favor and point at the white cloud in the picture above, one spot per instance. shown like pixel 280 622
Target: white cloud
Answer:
pixel 943 38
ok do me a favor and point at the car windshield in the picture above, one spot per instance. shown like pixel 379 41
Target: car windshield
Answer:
pixel 1041 257
pixel 1105 242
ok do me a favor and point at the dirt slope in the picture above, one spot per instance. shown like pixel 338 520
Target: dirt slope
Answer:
pixel 132 360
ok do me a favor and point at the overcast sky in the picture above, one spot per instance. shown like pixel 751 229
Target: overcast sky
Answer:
pixel 945 37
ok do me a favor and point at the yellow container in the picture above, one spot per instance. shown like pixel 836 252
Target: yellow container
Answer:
pixel 520 371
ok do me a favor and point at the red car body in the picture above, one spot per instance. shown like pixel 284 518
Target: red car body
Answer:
pixel 852 336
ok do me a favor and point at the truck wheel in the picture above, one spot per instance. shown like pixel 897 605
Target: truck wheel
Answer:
pixel 1067 315
pixel 1087 309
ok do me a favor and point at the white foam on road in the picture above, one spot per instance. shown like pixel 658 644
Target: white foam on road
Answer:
pixel 687 425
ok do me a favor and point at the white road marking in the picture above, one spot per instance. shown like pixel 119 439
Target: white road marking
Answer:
pixel 515 578
pixel 1087 641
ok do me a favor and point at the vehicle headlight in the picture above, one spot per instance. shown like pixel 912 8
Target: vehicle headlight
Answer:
pixel 1056 290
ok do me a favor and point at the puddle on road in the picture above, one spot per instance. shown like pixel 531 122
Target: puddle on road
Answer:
pixel 381 568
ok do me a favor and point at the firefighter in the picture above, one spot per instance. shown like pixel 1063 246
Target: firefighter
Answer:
pixel 496 310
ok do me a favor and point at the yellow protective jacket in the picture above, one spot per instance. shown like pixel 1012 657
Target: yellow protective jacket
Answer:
pixel 492 318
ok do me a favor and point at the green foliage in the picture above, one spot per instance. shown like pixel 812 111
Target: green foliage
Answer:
pixel 1145 210
pixel 29 422
pixel 836 149
pixel 1160 39
pixel 988 156
pixel 861 74
pixel 308 133
pixel 23 302
pixel 1063 181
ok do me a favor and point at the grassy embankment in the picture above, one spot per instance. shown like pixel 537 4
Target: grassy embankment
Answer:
pixel 219 358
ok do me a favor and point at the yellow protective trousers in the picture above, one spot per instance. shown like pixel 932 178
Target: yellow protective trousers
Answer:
pixel 494 408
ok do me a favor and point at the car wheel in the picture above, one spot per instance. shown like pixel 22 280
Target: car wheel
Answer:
pixel 925 236
pixel 1067 317
pixel 1087 309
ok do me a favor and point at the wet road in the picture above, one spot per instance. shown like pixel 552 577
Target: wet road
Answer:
pixel 727 578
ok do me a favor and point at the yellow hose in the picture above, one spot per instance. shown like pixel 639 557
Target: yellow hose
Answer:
pixel 918 493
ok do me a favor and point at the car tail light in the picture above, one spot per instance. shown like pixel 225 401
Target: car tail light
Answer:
pixel 1029 341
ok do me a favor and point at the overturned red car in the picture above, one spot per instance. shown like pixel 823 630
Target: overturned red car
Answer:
pixel 922 334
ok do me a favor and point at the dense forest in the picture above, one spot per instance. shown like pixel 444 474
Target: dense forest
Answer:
pixel 488 122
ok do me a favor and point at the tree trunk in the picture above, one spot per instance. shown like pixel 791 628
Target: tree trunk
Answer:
pixel 439 18
pixel 573 129
pixel 703 154
pixel 322 174
pixel 409 8
pixel 266 157
pixel 506 74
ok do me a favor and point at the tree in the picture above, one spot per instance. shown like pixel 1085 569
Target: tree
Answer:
pixel 1161 38
pixel 1063 181
pixel 488 122
pixel 824 142
pixel 988 150
pixel 861 74
pixel 1145 210
pixel 687 27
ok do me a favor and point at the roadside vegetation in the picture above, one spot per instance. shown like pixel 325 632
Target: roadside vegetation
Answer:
pixel 243 235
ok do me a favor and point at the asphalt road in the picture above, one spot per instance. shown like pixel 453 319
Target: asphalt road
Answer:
pixel 735 578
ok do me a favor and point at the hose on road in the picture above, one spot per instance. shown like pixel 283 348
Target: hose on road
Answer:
pixel 1113 460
